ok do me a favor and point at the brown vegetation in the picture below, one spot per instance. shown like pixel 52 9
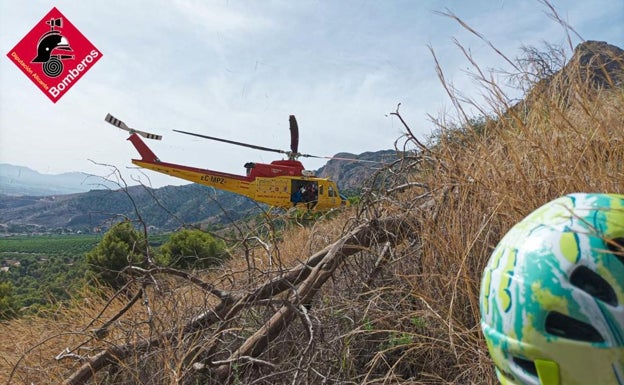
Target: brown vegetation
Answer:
pixel 387 292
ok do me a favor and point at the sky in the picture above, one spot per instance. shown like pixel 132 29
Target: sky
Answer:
pixel 238 69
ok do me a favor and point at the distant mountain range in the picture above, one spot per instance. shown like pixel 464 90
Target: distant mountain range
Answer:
pixel 34 202
pixel 19 180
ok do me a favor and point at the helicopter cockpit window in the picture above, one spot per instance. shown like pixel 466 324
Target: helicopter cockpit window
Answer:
pixel 331 192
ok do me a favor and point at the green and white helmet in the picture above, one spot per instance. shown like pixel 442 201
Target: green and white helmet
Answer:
pixel 552 295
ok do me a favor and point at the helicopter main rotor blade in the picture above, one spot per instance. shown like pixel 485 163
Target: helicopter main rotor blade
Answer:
pixel 294 145
pixel 339 158
pixel 233 142
pixel 294 135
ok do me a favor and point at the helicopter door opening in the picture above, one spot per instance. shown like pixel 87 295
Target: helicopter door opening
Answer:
pixel 304 191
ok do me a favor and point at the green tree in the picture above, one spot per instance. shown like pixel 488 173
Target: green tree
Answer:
pixel 120 247
pixel 192 249
pixel 8 306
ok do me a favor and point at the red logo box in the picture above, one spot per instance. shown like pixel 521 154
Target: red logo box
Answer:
pixel 54 55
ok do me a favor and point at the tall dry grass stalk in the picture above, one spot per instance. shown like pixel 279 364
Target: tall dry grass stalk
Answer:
pixel 403 308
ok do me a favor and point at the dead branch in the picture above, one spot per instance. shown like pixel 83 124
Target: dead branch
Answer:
pixel 409 130
pixel 102 331
pixel 307 278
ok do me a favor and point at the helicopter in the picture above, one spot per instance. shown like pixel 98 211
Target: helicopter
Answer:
pixel 282 183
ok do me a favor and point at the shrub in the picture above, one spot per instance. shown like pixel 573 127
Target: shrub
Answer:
pixel 192 249
pixel 8 307
pixel 121 246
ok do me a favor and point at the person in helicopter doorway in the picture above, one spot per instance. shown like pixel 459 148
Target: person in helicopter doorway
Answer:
pixel 297 196
pixel 308 194
pixel 311 195
pixel 552 295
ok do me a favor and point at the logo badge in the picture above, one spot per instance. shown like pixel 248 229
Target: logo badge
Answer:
pixel 54 55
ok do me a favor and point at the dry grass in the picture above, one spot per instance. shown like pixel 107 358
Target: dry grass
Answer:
pixel 406 313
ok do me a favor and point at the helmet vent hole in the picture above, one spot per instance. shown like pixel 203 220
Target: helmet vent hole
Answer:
pixel 567 327
pixel 593 284
pixel 526 365
pixel 616 246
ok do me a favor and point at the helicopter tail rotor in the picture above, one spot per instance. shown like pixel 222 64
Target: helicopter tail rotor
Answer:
pixel 120 124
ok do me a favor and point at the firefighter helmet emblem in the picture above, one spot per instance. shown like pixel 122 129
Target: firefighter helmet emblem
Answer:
pixel 48 49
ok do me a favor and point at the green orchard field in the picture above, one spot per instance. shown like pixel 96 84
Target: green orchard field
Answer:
pixel 42 270
pixel 50 245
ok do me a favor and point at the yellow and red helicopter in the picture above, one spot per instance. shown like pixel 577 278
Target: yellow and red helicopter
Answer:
pixel 281 183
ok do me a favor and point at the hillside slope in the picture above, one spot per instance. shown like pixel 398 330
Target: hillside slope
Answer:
pixel 386 293
pixel 166 208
